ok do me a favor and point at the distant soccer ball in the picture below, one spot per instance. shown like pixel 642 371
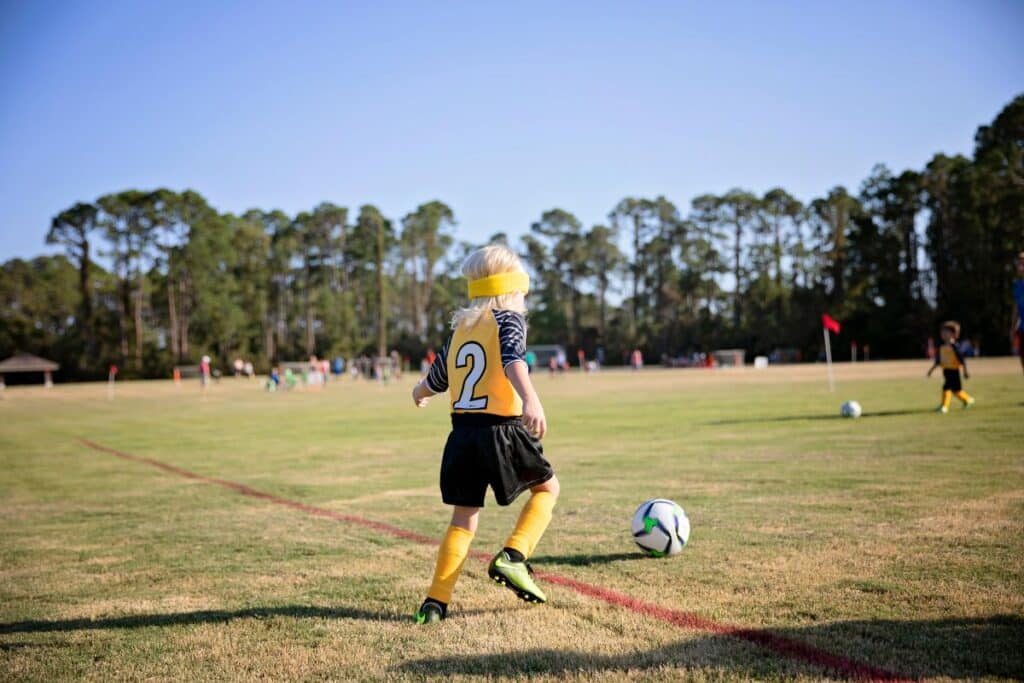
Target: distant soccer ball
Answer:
pixel 660 527
pixel 850 409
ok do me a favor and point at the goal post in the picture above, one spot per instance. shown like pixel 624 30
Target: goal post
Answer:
pixel 729 358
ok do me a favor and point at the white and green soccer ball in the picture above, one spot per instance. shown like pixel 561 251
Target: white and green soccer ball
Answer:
pixel 850 409
pixel 660 527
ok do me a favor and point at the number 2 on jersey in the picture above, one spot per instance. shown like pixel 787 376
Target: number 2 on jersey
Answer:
pixel 471 350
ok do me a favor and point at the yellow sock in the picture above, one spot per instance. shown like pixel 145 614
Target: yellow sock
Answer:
pixel 450 558
pixel 532 523
pixel 963 396
pixel 947 396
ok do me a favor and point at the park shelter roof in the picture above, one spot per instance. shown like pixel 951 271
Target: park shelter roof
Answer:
pixel 26 362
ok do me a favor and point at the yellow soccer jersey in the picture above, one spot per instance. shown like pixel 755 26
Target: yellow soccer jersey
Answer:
pixel 471 366
pixel 949 357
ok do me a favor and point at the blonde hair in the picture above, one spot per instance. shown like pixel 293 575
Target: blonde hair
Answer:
pixel 484 262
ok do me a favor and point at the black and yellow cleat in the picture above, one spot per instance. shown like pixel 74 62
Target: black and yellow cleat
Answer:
pixel 517 577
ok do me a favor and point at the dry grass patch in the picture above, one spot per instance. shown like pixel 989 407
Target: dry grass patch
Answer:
pixel 882 540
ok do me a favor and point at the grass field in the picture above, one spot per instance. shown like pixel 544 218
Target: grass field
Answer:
pixel 894 541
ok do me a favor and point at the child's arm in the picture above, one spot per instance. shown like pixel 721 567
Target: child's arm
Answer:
pixel 421 393
pixel 935 365
pixel 533 412
pixel 435 382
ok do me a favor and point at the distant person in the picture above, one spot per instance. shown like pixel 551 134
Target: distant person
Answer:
pixel 951 361
pixel 238 366
pixel 531 360
pixel 497 424
pixel 204 372
pixel 111 378
pixel 396 364
pixel 311 373
pixel 249 370
pixel 636 359
pixel 274 381
pixel 1017 328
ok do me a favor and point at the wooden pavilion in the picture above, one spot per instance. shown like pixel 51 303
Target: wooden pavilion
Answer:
pixel 26 362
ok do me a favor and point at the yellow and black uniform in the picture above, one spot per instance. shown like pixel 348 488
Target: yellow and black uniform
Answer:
pixel 950 360
pixel 488 445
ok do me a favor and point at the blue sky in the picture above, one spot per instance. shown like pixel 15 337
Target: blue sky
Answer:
pixel 502 110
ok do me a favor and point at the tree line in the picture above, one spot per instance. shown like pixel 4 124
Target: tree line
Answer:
pixel 152 279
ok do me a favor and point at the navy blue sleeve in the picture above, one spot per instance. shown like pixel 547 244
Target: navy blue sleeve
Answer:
pixel 437 378
pixel 959 354
pixel 511 337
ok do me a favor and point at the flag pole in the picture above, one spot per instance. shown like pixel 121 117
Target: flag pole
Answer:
pixel 828 359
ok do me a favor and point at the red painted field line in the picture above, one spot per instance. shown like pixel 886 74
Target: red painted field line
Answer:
pixel 788 647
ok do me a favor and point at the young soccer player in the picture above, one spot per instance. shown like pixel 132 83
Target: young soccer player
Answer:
pixel 497 424
pixel 951 360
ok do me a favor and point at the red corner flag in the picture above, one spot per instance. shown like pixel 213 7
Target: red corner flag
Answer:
pixel 830 323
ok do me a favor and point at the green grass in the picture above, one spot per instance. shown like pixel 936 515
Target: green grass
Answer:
pixel 895 540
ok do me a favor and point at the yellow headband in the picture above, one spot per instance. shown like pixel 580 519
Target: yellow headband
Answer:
pixel 502 283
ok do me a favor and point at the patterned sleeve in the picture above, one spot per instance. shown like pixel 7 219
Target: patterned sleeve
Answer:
pixel 437 378
pixel 511 337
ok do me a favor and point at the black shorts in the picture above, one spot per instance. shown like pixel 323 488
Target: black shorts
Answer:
pixel 952 382
pixel 489 450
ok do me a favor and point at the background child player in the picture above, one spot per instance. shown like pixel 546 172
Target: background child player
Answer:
pixel 951 360
pixel 497 424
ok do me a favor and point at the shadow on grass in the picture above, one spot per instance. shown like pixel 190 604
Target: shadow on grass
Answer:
pixel 956 648
pixel 198 617
pixel 587 560
pixel 802 418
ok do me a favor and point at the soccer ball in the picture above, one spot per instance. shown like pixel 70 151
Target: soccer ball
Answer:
pixel 850 409
pixel 660 527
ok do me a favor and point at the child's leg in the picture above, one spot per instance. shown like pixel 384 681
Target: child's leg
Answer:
pixel 947 396
pixel 964 397
pixel 534 518
pixel 453 552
